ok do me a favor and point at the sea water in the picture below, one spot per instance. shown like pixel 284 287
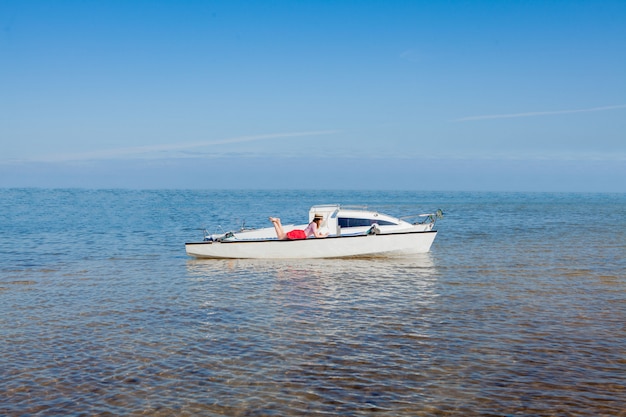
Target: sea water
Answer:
pixel 519 308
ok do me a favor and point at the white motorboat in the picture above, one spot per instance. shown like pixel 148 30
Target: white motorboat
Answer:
pixel 352 231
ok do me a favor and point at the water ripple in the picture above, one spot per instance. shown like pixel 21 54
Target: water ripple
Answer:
pixel 498 319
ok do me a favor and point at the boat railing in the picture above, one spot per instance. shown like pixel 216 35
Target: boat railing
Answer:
pixel 340 206
pixel 424 218
pixel 354 207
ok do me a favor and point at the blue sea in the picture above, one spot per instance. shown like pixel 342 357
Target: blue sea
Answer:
pixel 519 308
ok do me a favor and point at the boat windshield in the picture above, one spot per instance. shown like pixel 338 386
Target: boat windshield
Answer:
pixel 357 222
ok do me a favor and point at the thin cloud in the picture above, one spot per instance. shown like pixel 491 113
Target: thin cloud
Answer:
pixel 151 150
pixel 539 113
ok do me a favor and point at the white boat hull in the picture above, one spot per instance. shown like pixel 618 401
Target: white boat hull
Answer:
pixel 390 244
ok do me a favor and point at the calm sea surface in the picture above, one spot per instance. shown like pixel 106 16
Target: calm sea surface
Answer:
pixel 519 309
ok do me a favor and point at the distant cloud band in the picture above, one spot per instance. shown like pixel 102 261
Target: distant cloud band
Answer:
pixel 151 149
pixel 541 113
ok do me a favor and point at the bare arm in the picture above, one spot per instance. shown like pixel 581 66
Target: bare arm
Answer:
pixel 317 233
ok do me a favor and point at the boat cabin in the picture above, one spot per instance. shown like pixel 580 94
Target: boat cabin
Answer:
pixel 356 219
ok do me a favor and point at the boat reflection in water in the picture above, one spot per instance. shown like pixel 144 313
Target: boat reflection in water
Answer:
pixel 355 281
pixel 313 333
pixel 280 286
pixel 417 268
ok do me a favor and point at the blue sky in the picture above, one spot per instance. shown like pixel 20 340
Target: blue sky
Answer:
pixel 455 95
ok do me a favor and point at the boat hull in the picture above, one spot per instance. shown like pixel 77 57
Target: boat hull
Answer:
pixel 390 244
